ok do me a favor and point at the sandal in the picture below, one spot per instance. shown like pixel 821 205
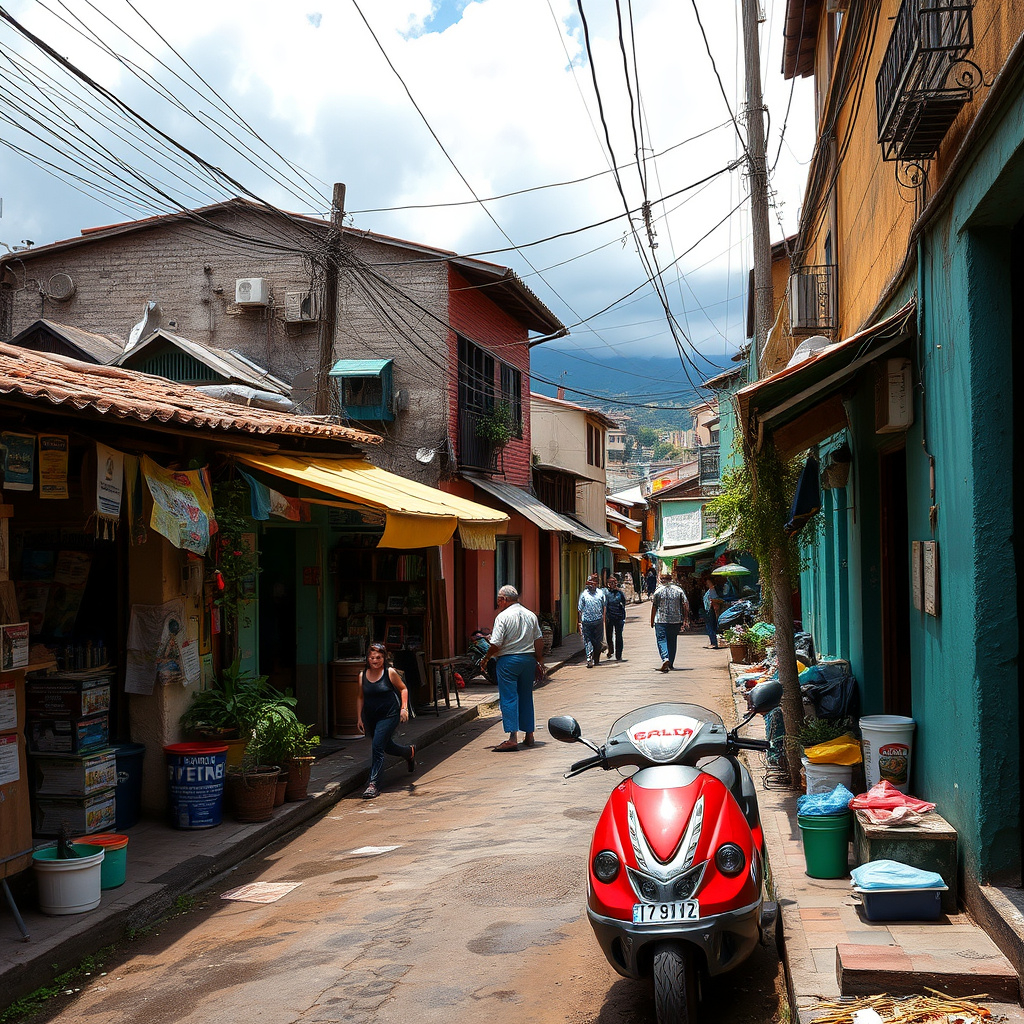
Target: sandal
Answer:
pixel 529 741
pixel 508 745
pixel 371 792
pixel 411 760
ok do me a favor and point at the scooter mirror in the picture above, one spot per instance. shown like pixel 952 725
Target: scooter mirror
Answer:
pixel 564 728
pixel 765 696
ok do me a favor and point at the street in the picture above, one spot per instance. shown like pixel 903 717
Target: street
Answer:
pixel 457 895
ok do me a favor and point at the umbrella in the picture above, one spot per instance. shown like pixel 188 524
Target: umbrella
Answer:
pixel 731 569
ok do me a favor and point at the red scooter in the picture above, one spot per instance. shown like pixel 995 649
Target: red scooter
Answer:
pixel 674 886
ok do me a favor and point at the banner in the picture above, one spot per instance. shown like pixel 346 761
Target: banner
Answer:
pixel 182 505
pixel 109 485
pixel 53 465
pixel 681 529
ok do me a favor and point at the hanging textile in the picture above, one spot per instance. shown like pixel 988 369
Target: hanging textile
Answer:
pixel 109 486
pixel 807 500
pixel 182 505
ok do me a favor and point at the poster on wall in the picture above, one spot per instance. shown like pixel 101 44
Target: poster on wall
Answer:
pixel 685 528
pixel 53 466
pixel 155 637
pixel 19 460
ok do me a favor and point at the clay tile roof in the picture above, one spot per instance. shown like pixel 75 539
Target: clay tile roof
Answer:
pixel 113 392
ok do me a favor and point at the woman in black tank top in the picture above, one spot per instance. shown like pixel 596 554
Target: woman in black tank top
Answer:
pixel 383 703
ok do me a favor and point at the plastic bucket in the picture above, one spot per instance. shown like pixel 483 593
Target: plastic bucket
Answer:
pixel 113 870
pixel 195 780
pixel 68 886
pixel 887 742
pixel 823 778
pixel 128 795
pixel 826 840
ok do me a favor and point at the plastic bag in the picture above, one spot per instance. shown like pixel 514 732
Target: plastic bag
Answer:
pixel 891 874
pixel 817 805
pixel 833 688
pixel 842 750
pixel 885 796
pixel 459 681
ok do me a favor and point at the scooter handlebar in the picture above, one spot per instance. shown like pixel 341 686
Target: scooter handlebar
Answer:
pixel 742 743
pixel 585 765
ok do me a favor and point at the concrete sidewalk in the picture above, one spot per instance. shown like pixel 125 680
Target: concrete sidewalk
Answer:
pixel 165 864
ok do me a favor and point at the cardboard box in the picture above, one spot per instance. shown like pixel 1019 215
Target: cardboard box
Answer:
pixel 13 646
pixel 83 815
pixel 66 697
pixel 74 774
pixel 67 735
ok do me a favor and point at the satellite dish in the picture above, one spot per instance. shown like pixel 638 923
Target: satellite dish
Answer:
pixel 425 455
pixel 60 288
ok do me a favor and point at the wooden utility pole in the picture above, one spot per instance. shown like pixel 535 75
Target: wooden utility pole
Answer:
pixel 764 304
pixel 329 310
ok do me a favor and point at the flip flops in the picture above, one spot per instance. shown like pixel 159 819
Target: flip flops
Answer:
pixel 503 748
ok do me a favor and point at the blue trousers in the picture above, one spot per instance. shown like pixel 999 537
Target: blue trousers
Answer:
pixel 613 636
pixel 381 730
pixel 516 676
pixel 592 639
pixel 711 625
pixel 667 635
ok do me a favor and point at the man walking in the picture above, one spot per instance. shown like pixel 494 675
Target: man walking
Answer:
pixel 712 604
pixel 518 644
pixel 614 617
pixel 669 610
pixel 590 611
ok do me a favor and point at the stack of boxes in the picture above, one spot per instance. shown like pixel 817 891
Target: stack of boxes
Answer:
pixel 74 771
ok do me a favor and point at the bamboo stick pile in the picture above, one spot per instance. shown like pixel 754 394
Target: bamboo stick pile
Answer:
pixel 934 1008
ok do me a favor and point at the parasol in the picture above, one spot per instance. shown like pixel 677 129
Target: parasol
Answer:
pixel 731 569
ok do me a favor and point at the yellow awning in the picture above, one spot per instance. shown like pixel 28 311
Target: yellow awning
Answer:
pixel 416 516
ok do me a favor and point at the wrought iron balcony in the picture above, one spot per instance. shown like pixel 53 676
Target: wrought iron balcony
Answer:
pixel 708 464
pixel 476 452
pixel 812 300
pixel 925 78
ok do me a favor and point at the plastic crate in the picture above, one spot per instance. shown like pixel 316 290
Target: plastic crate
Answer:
pixel 901 904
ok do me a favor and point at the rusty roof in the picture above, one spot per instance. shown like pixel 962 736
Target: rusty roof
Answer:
pixel 800 37
pixel 114 393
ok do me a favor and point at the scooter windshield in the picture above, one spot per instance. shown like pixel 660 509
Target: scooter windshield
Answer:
pixel 662 731
pixel 651 711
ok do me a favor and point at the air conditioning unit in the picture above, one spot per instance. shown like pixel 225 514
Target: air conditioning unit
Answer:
pixel 894 397
pixel 803 303
pixel 300 307
pixel 252 291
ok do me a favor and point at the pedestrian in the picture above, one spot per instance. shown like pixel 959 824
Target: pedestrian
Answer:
pixel 614 617
pixel 590 610
pixel 627 588
pixel 517 644
pixel 382 703
pixel 712 603
pixel 669 610
pixel 651 582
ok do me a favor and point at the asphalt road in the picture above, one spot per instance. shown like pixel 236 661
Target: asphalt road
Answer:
pixel 458 895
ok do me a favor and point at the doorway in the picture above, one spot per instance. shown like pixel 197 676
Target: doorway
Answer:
pixel 894 541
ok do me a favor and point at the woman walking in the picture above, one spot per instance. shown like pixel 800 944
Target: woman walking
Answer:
pixel 382 704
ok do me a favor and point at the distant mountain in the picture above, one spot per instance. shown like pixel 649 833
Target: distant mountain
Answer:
pixel 620 385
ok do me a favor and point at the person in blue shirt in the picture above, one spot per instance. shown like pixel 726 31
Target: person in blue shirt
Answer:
pixel 614 617
pixel 590 610
pixel 712 604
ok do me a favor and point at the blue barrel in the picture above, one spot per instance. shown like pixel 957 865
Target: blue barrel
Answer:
pixel 195 779
pixel 128 795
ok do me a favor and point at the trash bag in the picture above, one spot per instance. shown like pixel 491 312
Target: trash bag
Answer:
pixel 885 796
pixel 763 632
pixel 891 874
pixel 817 805
pixel 832 688
pixel 804 645
pixel 842 750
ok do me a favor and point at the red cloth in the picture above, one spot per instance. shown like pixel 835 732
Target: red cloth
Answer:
pixel 886 796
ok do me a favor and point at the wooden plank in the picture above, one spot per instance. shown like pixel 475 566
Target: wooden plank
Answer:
pixel 810 427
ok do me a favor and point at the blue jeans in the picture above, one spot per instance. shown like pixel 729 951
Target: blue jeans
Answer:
pixel 613 636
pixel 711 625
pixel 592 639
pixel 380 731
pixel 667 634
pixel 516 676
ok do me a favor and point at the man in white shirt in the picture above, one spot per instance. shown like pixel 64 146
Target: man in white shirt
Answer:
pixel 518 645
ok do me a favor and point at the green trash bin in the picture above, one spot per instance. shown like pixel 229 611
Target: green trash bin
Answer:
pixel 826 841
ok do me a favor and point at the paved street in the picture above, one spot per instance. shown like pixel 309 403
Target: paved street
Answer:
pixel 457 895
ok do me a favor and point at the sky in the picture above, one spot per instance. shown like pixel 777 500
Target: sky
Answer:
pixel 469 125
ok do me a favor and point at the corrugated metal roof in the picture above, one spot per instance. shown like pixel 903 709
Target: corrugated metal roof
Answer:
pixel 103 348
pixel 584 532
pixel 526 504
pixel 116 393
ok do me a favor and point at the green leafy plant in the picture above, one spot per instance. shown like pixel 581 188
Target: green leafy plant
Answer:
pixel 233 705
pixel 819 730
pixel 736 635
pixel 279 736
pixel 235 560
pixel 497 426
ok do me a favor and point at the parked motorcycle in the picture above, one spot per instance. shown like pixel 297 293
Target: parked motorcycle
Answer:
pixel 676 869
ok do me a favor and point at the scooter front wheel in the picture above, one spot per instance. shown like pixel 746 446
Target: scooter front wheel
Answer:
pixel 675 984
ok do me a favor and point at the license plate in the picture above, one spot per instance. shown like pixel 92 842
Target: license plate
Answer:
pixel 666 913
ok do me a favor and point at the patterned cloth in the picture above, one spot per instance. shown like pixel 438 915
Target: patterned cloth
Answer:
pixel 591 605
pixel 670 604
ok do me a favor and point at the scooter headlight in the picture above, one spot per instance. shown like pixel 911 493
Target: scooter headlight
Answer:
pixel 606 866
pixel 730 859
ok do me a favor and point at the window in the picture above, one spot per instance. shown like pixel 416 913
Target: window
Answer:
pixel 595 446
pixel 476 378
pixel 507 564
pixel 512 396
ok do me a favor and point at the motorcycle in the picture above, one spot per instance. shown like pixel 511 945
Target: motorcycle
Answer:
pixel 676 869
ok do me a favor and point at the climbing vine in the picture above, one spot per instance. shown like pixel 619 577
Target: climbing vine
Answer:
pixel 236 562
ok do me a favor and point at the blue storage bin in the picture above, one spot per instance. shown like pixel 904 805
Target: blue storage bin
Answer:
pixel 902 904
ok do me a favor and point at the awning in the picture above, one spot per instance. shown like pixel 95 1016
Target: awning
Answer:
pixel 525 503
pixel 697 548
pixel 621 520
pixel 801 404
pixel 416 516
pixel 359 367
pixel 585 533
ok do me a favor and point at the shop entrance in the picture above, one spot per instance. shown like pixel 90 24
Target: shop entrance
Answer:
pixel 895 582
pixel 290 638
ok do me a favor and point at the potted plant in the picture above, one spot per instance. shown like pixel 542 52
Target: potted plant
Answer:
pixel 299 763
pixel 737 639
pixel 497 426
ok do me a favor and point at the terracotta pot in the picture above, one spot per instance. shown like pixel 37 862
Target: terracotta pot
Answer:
pixel 298 769
pixel 252 793
pixel 739 653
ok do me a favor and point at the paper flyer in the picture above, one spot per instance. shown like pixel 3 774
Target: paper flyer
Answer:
pixel 10 767
pixel 19 460
pixel 13 646
pixel 8 706
pixel 53 466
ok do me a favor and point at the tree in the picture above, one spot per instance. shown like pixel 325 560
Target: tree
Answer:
pixel 664 450
pixel 647 436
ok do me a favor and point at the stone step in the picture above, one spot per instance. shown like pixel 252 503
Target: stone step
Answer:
pixel 976 968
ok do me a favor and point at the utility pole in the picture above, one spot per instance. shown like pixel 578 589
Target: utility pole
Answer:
pixel 764 304
pixel 329 309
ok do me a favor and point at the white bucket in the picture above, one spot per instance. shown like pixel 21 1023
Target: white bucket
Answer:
pixel 887 742
pixel 68 886
pixel 823 778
